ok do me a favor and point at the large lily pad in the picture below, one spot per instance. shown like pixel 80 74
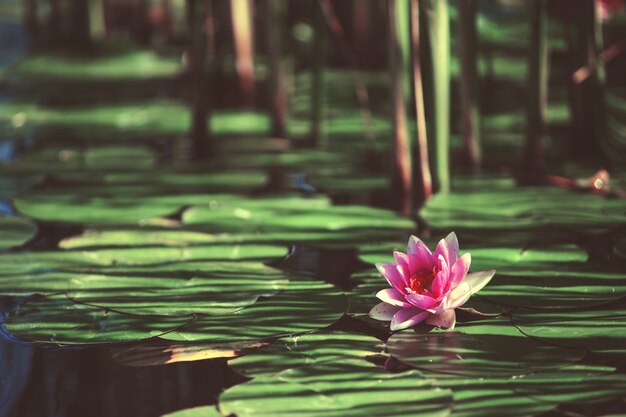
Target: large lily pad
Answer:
pixel 339 389
pixel 304 350
pixel 538 209
pixel 207 288
pixel 479 349
pixel 58 320
pixel 306 305
pixel 335 219
pixel 136 203
pixel 602 329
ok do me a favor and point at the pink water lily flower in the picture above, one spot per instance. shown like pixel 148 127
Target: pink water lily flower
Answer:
pixel 427 287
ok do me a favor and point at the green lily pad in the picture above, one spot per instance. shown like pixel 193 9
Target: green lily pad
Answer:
pixel 43 272
pixel 171 254
pixel 56 319
pixel 305 305
pixel 136 204
pixel 212 288
pixel 533 208
pixel 601 330
pixel 54 66
pixel 345 388
pixel 128 237
pixel 335 219
pixel 304 350
pixel 15 231
pixel 119 157
pixel 582 384
pixel 479 349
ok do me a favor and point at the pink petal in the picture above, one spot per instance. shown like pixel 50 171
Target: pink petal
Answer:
pixel 383 312
pixel 393 297
pixel 420 257
pixel 477 280
pixel 458 296
pixel 442 250
pixel 391 274
pixel 459 270
pixel 445 320
pixel 453 247
pixel 407 317
pixel 415 243
pixel 401 258
pixel 441 283
pixel 421 301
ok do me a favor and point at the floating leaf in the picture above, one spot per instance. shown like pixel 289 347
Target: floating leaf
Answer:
pixel 601 330
pixel 305 305
pixel 345 388
pixel 201 288
pixel 308 349
pixel 55 319
pixel 479 349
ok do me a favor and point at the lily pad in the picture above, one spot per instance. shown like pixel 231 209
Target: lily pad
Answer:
pixel 489 348
pixel 532 208
pixel 56 319
pixel 211 288
pixel 601 330
pixel 318 348
pixel 15 231
pixel 306 305
pixel 335 219
pixel 345 388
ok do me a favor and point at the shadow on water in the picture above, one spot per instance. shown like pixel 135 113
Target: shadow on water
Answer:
pixel 334 266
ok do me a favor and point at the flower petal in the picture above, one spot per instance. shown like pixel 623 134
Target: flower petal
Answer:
pixel 401 258
pixel 441 283
pixel 393 297
pixel 420 257
pixel 459 270
pixel 442 249
pixel 458 296
pixel 383 312
pixel 453 247
pixel 421 301
pixel 408 317
pixel 477 280
pixel 415 245
pixel 445 320
pixel 391 274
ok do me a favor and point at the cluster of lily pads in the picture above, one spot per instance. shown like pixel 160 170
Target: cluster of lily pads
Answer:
pixel 101 244
pixel 191 270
